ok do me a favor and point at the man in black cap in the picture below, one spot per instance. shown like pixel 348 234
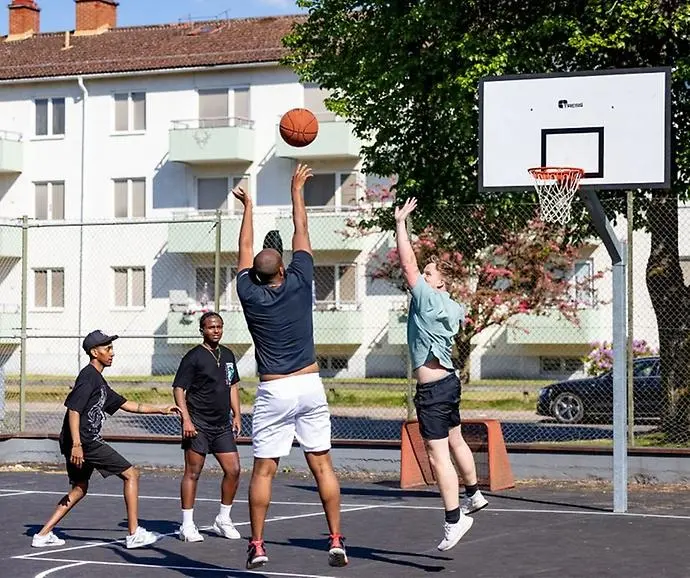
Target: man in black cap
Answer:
pixel 84 449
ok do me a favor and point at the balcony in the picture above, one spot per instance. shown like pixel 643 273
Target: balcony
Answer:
pixel 183 328
pixel 213 140
pixel 327 226
pixel 10 323
pixel 11 152
pixel 10 242
pixel 554 329
pixel 334 141
pixel 397 327
pixel 196 233
pixel 338 326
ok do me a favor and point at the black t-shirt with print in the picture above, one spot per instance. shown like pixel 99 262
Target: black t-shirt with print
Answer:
pixel 207 381
pixel 92 398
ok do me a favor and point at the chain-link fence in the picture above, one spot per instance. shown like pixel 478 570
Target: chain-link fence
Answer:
pixel 534 351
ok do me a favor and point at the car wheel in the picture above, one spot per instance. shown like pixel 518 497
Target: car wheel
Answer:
pixel 568 408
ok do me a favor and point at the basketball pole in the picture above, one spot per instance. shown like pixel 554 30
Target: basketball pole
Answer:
pixel 616 251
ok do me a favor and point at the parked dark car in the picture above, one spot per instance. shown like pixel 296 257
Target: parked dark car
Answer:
pixel 578 399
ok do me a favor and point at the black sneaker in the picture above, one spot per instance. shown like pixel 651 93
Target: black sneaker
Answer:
pixel 336 551
pixel 256 554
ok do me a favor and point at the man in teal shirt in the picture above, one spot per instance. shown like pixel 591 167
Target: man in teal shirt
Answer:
pixel 433 321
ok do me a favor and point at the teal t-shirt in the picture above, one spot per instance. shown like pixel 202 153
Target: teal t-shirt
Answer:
pixel 433 321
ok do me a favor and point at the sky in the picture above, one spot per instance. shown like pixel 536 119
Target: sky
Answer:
pixel 59 15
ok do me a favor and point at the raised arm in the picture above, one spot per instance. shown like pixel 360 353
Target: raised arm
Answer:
pixel 246 242
pixel 408 260
pixel 300 239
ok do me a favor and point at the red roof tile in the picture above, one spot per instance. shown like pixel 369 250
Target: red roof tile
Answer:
pixel 213 43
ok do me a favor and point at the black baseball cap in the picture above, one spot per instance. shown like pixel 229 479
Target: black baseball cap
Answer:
pixel 97 338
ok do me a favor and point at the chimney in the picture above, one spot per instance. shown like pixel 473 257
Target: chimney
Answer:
pixel 24 19
pixel 95 16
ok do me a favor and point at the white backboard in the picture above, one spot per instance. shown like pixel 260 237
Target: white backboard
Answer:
pixel 615 124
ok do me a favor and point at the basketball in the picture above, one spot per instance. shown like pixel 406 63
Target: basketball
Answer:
pixel 299 127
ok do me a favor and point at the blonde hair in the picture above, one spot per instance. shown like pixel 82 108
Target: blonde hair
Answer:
pixel 443 267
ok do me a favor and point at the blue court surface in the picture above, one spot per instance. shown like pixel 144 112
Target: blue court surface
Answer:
pixel 538 529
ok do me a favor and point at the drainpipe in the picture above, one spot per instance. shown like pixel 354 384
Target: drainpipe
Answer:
pixel 84 99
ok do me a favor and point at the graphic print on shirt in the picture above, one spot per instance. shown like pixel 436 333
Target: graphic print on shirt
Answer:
pixel 96 416
pixel 229 373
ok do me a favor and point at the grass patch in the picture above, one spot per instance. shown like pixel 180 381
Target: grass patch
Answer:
pixel 337 396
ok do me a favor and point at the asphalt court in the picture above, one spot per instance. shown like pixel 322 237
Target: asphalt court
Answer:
pixel 534 530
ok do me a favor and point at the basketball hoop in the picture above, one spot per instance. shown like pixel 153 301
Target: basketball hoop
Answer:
pixel 556 187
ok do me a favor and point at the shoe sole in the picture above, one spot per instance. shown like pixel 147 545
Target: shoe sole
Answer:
pixel 455 542
pixel 258 562
pixel 217 530
pixel 337 558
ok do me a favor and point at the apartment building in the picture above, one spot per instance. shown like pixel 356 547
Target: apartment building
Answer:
pixel 120 146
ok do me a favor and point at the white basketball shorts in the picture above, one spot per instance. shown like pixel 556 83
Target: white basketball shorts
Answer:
pixel 289 408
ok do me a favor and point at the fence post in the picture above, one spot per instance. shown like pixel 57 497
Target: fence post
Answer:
pixel 630 280
pixel 216 272
pixel 22 345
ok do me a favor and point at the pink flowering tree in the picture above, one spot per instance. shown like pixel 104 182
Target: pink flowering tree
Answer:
pixel 528 270
pixel 600 358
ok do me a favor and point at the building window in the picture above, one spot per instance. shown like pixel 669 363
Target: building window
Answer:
pixel 213 108
pixel 335 286
pixel 50 117
pixel 130 112
pixel 583 285
pixel 214 193
pixel 561 365
pixel 50 201
pixel 331 189
pixel 206 288
pixel 49 288
pixel 130 286
pixel 130 198
pixel 314 100
pixel 332 365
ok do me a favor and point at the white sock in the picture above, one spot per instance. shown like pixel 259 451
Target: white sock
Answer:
pixel 188 517
pixel 225 511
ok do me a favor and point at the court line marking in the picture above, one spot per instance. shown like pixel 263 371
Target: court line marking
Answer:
pixel 168 534
pixel 546 511
pixel 144 497
pixel 233 571
pixel 58 568
pixel 8 494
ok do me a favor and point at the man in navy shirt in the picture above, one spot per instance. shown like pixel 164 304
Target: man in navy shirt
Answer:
pixel 290 399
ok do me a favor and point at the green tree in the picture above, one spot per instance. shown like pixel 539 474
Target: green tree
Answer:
pixel 406 73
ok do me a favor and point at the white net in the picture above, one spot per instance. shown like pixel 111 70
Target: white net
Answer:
pixel 556 187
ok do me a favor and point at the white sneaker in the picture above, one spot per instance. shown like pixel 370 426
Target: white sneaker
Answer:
pixel 473 504
pixel 190 534
pixel 225 528
pixel 453 532
pixel 141 538
pixel 49 539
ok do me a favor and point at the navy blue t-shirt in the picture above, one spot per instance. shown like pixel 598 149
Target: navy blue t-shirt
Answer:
pixel 280 318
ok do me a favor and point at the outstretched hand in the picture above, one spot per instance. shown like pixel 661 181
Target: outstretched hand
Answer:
pixel 170 409
pixel 302 173
pixel 242 196
pixel 401 213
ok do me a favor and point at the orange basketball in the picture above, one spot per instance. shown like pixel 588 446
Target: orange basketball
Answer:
pixel 299 127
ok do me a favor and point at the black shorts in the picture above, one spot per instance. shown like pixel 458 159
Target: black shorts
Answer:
pixel 438 407
pixel 97 456
pixel 211 441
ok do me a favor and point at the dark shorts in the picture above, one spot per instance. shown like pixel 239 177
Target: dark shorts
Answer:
pixel 97 456
pixel 438 407
pixel 211 441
